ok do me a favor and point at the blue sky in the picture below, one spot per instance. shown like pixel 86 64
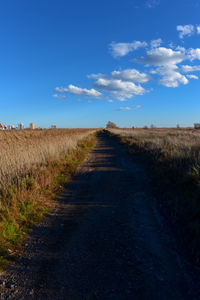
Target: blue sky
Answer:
pixel 83 63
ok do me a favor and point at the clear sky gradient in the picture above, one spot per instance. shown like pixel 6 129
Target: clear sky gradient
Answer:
pixel 83 63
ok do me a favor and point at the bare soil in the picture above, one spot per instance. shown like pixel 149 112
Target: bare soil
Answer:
pixel 105 239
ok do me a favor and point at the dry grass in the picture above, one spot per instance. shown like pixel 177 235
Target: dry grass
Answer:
pixel 24 150
pixel 173 158
pixel 35 165
pixel 183 144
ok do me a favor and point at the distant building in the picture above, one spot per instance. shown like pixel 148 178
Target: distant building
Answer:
pixel 32 125
pixel 53 126
pixel 20 126
pixel 197 125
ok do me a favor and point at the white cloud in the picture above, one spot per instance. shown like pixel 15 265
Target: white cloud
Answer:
pixel 185 30
pixel 192 76
pixel 96 76
pixel 188 69
pixel 118 88
pixel 110 100
pixel 170 76
pixel 58 96
pixel 60 90
pixel 188 30
pixel 193 54
pixel 132 75
pixel 156 43
pixel 122 49
pixel 121 84
pixel 166 60
pixel 74 90
pixel 162 56
pixel 181 49
pixel 118 84
pixel 125 84
pixel 124 108
pixel 136 106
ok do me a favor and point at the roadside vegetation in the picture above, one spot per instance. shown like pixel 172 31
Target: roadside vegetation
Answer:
pixel 35 165
pixel 172 157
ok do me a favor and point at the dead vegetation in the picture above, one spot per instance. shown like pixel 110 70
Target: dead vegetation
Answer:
pixel 34 167
pixel 24 150
pixel 173 158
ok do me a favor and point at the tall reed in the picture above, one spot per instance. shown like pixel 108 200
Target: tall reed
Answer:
pixel 35 166
pixel 24 150
pixel 172 157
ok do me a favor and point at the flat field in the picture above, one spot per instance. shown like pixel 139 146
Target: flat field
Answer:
pixel 173 159
pixel 181 146
pixel 21 151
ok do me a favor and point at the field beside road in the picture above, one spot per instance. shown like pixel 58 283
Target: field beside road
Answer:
pixel 173 159
pixel 22 151
pixel 34 166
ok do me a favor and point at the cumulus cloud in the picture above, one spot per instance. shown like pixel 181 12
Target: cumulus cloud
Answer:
pixel 188 69
pixel 181 49
pixel 58 96
pixel 170 76
pixel 74 90
pixel 122 49
pixel 192 76
pixel 118 88
pixel 188 30
pixel 165 61
pixel 121 84
pixel 185 30
pixel 132 75
pixel 194 54
pixel 162 56
pixel 156 43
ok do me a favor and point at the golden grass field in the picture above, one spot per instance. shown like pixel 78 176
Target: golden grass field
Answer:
pixel 181 144
pixel 35 165
pixel 24 150
pixel 172 156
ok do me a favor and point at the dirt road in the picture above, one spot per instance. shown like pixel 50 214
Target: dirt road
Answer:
pixel 104 240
